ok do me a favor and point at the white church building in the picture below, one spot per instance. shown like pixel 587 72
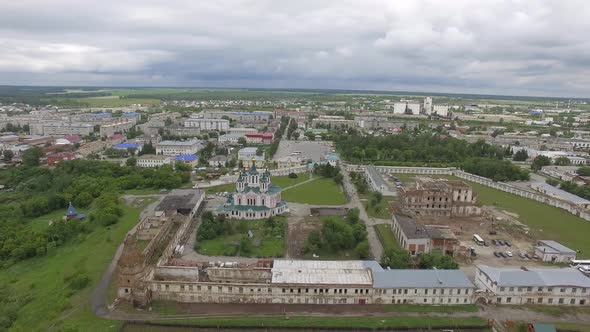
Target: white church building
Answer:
pixel 255 197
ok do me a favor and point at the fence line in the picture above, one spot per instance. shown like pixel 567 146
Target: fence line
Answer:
pixel 569 207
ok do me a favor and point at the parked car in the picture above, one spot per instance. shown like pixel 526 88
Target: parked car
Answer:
pixel 485 243
pixel 493 233
pixel 521 255
pixel 497 254
pixel 500 242
pixel 509 253
pixel 527 256
pixel 494 242
pixel 507 243
pixel 502 254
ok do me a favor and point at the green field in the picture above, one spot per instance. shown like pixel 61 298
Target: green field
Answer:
pixel 264 245
pixel 285 181
pixel 108 101
pixel 386 236
pixel 229 187
pixel 321 322
pixel 573 327
pixel 322 191
pixel 42 278
pixel 42 222
pixel 546 222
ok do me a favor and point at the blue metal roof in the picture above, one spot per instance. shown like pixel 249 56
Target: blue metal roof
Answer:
pixel 71 210
pixel 131 114
pixel 187 157
pixel 126 146
pixel 551 277
pixel 101 114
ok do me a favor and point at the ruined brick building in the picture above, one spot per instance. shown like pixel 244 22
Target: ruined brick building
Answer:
pixel 439 198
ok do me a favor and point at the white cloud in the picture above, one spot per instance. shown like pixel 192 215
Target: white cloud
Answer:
pixel 498 46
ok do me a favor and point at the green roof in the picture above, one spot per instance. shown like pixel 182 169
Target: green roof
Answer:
pixel 253 169
pixel 272 189
pixel 243 208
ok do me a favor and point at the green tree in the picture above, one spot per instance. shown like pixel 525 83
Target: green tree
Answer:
pixel 437 260
pixel 396 259
pixel 520 155
pixel 132 161
pixel 246 246
pixel 32 157
pixel 7 155
pixel 362 250
pixel 242 140
pixel 562 161
pixel 539 162
pixel 148 148
pixel 583 171
pixel 83 199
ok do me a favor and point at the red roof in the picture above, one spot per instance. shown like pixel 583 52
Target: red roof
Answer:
pixel 62 155
pixel 73 138
pixel 261 135
pixel 117 136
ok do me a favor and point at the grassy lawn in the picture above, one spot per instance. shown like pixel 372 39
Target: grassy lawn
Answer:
pixel 264 243
pixel 42 222
pixel 324 322
pixel 115 102
pixel 386 236
pixel 230 187
pixel 405 178
pixel 285 181
pixel 573 327
pixel 42 278
pixel 323 191
pixel 147 191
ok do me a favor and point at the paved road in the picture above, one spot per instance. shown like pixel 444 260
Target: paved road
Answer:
pixel 99 296
pixel 355 202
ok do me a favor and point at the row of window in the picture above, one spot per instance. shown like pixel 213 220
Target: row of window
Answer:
pixel 542 289
pixel 457 291
pixel 549 301
pixel 357 291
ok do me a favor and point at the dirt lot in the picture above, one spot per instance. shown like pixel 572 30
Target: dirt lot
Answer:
pixel 299 224
pixel 504 224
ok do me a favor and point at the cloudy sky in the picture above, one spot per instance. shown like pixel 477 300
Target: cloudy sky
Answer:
pixel 535 47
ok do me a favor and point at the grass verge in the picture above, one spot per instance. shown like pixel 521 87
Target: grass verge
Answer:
pixel 323 191
pixel 324 322
pixel 386 236
pixel 52 306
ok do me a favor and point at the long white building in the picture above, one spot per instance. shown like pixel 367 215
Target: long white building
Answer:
pixel 207 124
pixel 151 160
pixel 175 148
pixel 315 282
pixel 440 110
pixel 546 286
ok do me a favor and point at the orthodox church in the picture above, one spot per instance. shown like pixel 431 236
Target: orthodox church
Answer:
pixel 255 197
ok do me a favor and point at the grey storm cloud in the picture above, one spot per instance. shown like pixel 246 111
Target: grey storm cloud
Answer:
pixel 534 47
